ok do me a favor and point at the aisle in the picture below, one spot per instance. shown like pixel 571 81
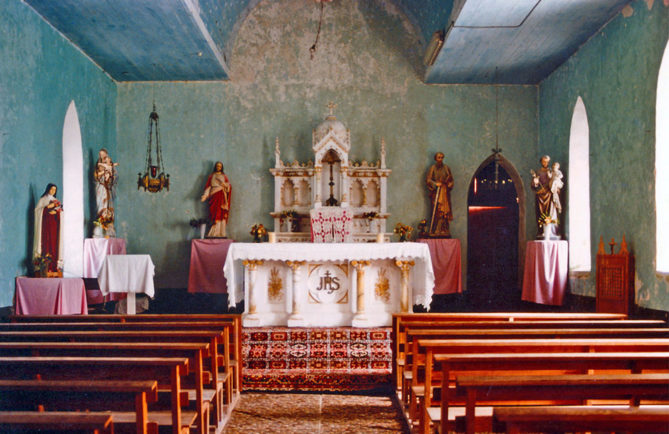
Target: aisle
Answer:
pixel 314 414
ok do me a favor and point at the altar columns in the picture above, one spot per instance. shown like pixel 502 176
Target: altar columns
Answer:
pixel 360 320
pixel 405 268
pixel 251 319
pixel 296 319
pixel 317 189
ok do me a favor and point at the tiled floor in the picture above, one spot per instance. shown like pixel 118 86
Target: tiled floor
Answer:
pixel 314 414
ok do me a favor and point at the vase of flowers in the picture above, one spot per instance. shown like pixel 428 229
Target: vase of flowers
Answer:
pixel 292 217
pixel 403 231
pixel 258 232
pixel 201 225
pixel 548 227
pixel 41 265
pixel 371 219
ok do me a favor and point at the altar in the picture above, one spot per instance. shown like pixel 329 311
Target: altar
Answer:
pixel 327 285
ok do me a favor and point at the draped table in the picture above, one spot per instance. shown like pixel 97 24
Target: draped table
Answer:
pixel 546 271
pixel 327 285
pixel 207 257
pixel 50 296
pixel 447 264
pixel 95 252
pixel 131 274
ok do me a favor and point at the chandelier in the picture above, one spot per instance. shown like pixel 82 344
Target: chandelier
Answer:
pixel 154 178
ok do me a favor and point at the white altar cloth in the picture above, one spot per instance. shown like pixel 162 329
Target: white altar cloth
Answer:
pixel 276 256
pixel 127 273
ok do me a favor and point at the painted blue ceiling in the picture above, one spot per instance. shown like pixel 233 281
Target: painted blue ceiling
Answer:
pixel 487 41
pixel 516 41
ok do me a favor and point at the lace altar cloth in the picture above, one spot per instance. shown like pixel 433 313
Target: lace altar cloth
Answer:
pixel 421 278
pixel 331 225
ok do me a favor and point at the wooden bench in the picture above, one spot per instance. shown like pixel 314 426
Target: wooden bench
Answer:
pixel 53 421
pixel 166 371
pixel 194 352
pixel 501 363
pixel 524 389
pixel 141 336
pixel 589 418
pixel 235 338
pixel 403 343
pixel 82 395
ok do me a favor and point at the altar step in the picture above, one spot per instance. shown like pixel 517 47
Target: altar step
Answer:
pixel 317 359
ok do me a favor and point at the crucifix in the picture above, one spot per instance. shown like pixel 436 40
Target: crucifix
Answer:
pixel 331 158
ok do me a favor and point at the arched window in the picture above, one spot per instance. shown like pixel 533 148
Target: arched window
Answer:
pixel 579 190
pixel 73 196
pixel 661 164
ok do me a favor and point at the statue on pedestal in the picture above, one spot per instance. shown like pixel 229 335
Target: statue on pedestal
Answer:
pixel 218 192
pixel 106 177
pixel 439 185
pixel 547 184
pixel 48 240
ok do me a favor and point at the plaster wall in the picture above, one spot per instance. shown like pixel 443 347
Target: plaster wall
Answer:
pixel 40 74
pixel 616 75
pixel 365 62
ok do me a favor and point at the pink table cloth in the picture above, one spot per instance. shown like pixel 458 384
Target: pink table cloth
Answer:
pixel 207 257
pixel 50 296
pixel 446 263
pixel 95 252
pixel 546 270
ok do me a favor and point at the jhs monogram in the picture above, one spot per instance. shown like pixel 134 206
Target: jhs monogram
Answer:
pixel 328 283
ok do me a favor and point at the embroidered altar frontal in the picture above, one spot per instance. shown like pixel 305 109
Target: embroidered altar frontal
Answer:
pixel 316 359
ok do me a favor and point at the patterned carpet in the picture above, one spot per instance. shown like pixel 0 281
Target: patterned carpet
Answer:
pixel 315 414
pixel 316 359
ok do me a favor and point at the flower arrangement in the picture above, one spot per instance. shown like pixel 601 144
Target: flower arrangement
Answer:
pixel 103 220
pixel 545 219
pixel 41 264
pixel 404 231
pixel 289 214
pixel 370 215
pixel 258 231
pixel 197 222
pixel 293 218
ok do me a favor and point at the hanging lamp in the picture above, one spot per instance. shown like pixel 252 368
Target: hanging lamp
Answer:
pixel 154 178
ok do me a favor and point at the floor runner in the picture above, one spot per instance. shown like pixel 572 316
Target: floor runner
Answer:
pixel 316 359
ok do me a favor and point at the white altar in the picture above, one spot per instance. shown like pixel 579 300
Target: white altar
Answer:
pixel 317 285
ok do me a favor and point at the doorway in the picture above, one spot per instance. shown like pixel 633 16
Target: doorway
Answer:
pixel 493 237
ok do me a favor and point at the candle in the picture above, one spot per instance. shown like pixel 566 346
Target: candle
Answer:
pixel 271 237
pixel 380 237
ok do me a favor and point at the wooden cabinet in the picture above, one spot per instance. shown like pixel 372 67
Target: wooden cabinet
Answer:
pixel 615 280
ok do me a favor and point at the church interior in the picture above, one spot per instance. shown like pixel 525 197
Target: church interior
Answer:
pixel 275 168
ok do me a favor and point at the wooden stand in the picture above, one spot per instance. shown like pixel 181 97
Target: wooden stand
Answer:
pixel 615 279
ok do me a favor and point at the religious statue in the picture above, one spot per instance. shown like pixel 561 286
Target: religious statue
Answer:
pixel 439 184
pixel 547 184
pixel 106 177
pixel 48 240
pixel 218 191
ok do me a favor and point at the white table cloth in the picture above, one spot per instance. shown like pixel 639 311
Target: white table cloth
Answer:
pixel 422 273
pixel 127 273
pixel 96 250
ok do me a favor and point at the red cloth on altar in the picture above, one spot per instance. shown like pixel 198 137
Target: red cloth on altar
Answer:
pixel 50 233
pixel 546 271
pixel 446 263
pixel 207 258
pixel 50 296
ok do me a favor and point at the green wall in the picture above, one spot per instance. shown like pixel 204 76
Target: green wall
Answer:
pixel 616 75
pixel 365 62
pixel 40 74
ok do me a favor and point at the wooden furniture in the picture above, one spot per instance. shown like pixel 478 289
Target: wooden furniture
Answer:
pixel 615 279
pixel 581 418
pixel 56 421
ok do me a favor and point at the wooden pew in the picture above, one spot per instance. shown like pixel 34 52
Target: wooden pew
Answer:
pixel 194 352
pixel 166 371
pixel 52 421
pixel 427 349
pixel 634 387
pixel 71 395
pixel 403 343
pixel 590 418
pixel 494 364
pixel 235 333
pixel 400 318
pixel 175 336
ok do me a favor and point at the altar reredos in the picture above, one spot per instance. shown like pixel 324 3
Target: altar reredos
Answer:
pixel 359 188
